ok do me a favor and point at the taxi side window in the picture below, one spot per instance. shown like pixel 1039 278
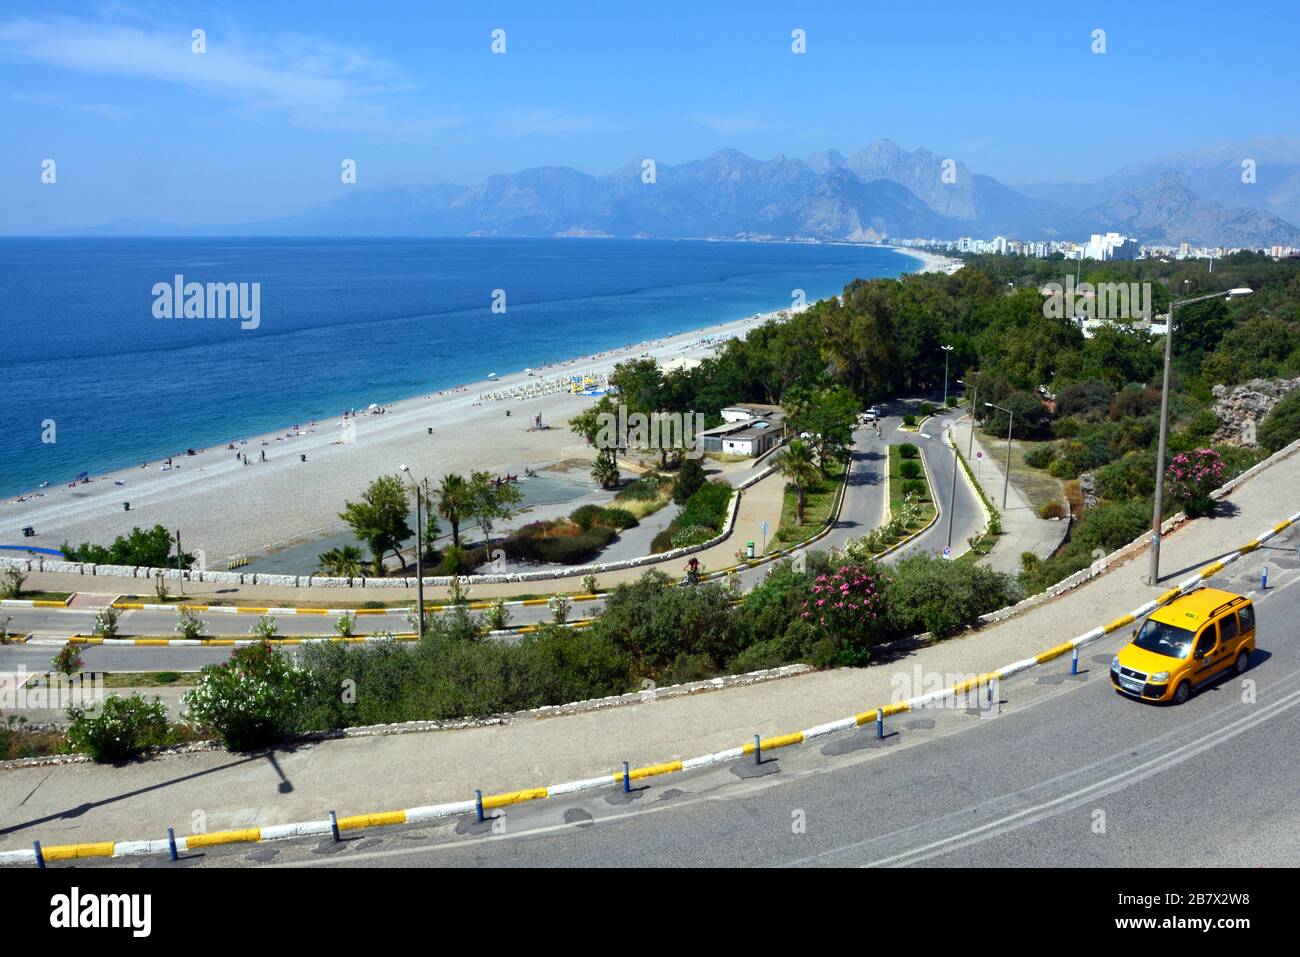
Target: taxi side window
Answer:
pixel 1208 638
pixel 1247 614
pixel 1228 626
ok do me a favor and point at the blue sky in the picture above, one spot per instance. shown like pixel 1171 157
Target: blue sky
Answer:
pixel 143 129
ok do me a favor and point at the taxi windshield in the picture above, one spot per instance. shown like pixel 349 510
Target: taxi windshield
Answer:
pixel 1168 640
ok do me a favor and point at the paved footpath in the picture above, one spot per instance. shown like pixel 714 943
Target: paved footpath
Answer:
pixel 1022 529
pixel 83 802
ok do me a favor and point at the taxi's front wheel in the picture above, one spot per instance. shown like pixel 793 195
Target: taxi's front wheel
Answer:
pixel 1182 693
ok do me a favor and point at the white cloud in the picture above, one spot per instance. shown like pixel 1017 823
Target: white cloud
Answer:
pixel 309 82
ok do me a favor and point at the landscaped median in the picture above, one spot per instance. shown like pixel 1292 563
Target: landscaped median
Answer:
pixel 479 804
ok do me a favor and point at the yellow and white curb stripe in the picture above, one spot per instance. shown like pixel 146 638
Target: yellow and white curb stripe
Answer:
pixel 302 640
pixel 114 849
pixel 271 610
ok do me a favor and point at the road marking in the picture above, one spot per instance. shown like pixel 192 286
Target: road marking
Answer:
pixel 1097 789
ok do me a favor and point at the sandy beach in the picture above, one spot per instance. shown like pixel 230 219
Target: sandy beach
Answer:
pixel 930 262
pixel 226 508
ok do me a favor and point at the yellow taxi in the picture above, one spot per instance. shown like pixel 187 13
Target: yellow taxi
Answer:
pixel 1184 644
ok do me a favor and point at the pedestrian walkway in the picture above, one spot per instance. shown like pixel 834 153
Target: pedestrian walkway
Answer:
pixel 83 802
pixel 1022 529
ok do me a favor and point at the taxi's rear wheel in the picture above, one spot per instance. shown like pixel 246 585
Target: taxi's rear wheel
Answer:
pixel 1243 662
pixel 1182 693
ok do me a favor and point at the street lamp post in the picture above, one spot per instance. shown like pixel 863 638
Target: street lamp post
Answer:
pixel 974 402
pixel 419 560
pixel 1157 513
pixel 952 496
pixel 1006 478
pixel 947 351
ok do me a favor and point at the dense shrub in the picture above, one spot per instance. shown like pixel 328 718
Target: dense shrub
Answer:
pixel 909 470
pixel 1132 476
pixel 643 489
pixel 1040 456
pixel 250 699
pixel 1134 402
pixel 1031 420
pixel 653 622
pixel 915 487
pixel 1282 426
pixel 1091 395
pixel 845 607
pixel 908 451
pixel 557 542
pixel 691 535
pixel 587 516
pixel 690 479
pixel 707 507
pixel 1192 476
pixel 450 675
pixel 121 728
pixel 943 597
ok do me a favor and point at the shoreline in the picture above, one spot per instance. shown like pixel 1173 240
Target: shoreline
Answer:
pixel 225 508
pixel 930 262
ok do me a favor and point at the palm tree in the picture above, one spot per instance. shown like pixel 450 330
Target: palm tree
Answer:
pixel 606 471
pixel 342 562
pixel 799 468
pixel 350 561
pixel 454 503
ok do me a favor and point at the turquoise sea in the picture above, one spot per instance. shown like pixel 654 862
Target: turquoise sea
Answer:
pixel 343 323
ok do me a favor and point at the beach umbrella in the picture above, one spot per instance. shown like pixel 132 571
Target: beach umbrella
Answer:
pixel 374 406
pixel 492 375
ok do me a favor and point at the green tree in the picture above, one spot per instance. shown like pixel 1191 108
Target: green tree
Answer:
pixel 491 501
pixel 455 503
pixel 342 562
pixel 690 479
pixel 605 470
pixel 798 467
pixel 151 548
pixel 828 415
pixel 379 519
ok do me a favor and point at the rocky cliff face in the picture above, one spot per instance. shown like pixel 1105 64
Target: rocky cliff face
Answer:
pixel 1242 408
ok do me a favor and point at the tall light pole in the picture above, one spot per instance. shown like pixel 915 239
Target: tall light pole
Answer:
pixel 952 495
pixel 1006 478
pixel 1157 513
pixel 947 351
pixel 974 400
pixel 419 560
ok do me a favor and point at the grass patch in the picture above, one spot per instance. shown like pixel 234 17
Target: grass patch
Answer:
pixel 897 492
pixel 818 503
pixel 150 679
pixel 1038 486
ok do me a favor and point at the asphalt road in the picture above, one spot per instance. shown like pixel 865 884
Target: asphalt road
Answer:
pixel 864 508
pixel 1066 772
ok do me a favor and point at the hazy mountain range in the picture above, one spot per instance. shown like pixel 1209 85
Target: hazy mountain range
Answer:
pixel 880 192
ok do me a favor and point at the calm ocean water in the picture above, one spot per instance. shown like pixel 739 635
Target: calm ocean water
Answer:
pixel 343 323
